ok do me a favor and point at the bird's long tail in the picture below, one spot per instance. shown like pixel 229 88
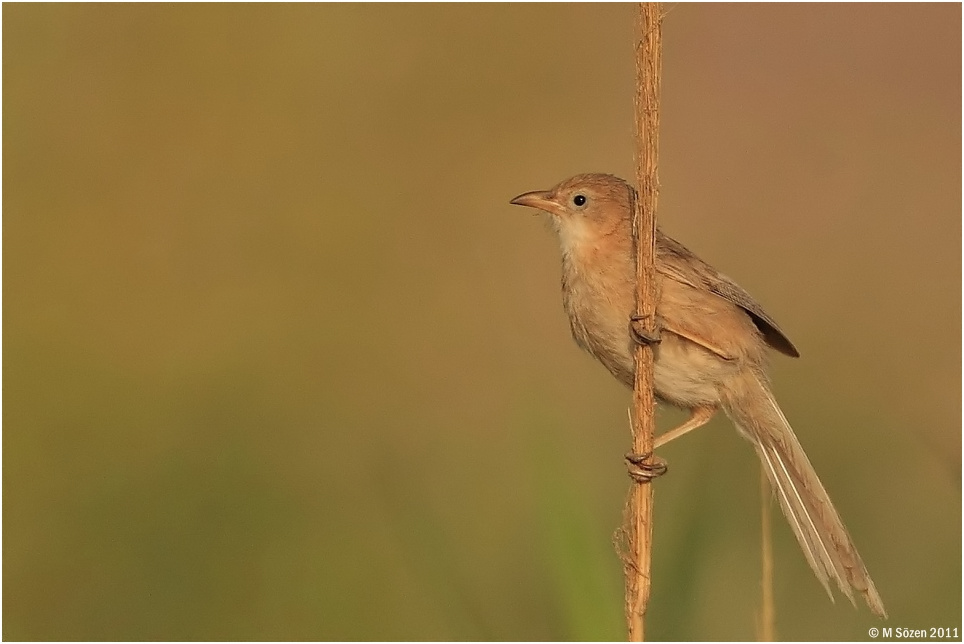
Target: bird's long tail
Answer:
pixel 815 522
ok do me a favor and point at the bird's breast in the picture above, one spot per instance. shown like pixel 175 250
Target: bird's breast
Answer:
pixel 599 303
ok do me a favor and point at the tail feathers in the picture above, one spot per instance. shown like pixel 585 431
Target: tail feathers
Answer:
pixel 815 522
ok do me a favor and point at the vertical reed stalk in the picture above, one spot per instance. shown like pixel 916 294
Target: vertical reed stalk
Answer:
pixel 639 519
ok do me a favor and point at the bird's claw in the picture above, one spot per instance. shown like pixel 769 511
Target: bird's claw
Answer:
pixel 640 334
pixel 643 468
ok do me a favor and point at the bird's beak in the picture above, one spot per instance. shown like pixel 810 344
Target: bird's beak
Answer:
pixel 541 199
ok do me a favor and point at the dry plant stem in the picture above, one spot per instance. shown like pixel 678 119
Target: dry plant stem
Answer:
pixel 767 630
pixel 640 512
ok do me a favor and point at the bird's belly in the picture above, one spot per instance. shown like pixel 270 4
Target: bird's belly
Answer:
pixel 685 374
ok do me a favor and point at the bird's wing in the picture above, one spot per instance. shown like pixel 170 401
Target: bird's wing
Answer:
pixel 701 275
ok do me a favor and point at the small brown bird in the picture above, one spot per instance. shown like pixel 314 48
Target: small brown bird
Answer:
pixel 710 355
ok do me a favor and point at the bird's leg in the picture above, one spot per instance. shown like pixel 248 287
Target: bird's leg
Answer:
pixel 643 468
pixel 703 342
pixel 699 416
pixel 640 334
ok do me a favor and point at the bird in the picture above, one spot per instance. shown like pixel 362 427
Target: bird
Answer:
pixel 711 354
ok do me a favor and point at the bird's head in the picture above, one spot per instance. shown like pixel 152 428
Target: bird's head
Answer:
pixel 584 208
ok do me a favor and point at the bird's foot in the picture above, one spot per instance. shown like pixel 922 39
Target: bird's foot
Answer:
pixel 639 332
pixel 643 468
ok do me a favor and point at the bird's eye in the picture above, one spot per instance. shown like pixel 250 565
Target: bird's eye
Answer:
pixel 579 200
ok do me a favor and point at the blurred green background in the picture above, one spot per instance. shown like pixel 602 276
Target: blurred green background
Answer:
pixel 282 362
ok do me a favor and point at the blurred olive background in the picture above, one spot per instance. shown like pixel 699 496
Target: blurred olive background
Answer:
pixel 282 362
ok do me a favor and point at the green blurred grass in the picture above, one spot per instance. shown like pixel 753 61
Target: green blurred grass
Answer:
pixel 282 362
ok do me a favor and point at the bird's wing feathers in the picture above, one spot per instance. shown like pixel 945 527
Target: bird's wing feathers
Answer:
pixel 701 275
